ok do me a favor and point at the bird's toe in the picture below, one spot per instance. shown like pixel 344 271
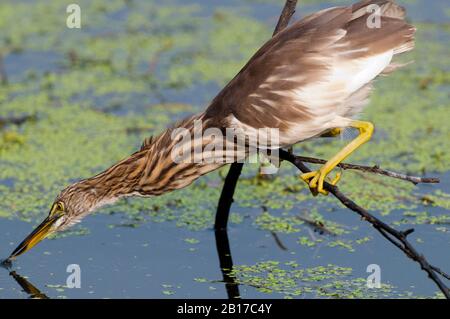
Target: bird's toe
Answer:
pixel 316 180
pixel 313 181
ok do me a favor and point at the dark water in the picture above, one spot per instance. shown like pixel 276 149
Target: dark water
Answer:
pixel 145 262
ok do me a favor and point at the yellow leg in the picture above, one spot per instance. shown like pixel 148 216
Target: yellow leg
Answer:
pixel 315 179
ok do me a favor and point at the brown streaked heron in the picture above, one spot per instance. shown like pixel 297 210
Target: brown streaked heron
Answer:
pixel 309 80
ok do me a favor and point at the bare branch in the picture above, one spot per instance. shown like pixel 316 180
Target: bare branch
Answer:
pixel 286 15
pixel 440 272
pixel 375 170
pixel 397 238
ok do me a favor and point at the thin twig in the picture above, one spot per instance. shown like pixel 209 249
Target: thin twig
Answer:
pixel 286 15
pixel 316 225
pixel 374 169
pixel 398 238
pixel 278 241
pixel 440 272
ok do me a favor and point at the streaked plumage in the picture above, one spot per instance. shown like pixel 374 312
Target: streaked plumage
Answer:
pixel 313 77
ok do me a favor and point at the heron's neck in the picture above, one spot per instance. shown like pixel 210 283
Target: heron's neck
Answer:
pixel 171 161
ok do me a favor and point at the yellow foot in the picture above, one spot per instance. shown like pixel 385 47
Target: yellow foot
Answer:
pixel 316 179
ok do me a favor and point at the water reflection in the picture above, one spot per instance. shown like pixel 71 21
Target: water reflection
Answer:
pixel 226 264
pixel 29 288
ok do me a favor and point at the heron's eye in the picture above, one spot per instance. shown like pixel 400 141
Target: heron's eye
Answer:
pixel 60 206
pixel 57 208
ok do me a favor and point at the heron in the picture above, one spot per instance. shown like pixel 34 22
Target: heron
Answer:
pixel 311 79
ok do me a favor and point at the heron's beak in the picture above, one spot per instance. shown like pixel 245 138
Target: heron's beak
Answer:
pixel 42 231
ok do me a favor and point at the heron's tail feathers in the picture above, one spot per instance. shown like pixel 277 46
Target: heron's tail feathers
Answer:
pixel 387 8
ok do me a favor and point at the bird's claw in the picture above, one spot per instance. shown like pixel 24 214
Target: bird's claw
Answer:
pixel 316 179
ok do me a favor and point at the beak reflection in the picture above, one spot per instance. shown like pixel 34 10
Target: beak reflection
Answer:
pixel 28 287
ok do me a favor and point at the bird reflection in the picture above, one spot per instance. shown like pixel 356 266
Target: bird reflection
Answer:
pixel 29 288
pixel 226 264
pixel 225 260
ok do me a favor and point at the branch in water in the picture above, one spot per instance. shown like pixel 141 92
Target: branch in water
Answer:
pixel 375 170
pixel 316 225
pixel 396 237
pixel 278 241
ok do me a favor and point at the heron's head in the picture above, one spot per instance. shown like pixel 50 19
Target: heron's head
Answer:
pixel 69 207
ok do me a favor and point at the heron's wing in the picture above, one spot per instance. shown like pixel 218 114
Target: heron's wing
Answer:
pixel 319 67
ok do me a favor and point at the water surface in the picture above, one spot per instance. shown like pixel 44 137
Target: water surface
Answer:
pixel 93 95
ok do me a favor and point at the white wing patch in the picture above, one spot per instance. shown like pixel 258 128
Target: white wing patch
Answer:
pixel 332 100
pixel 360 72
pixel 345 77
